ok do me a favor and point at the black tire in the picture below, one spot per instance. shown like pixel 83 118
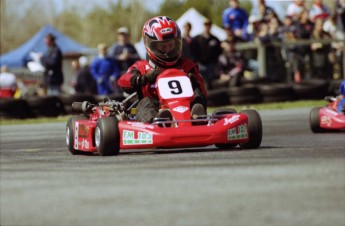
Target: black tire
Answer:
pixel 50 106
pixel 245 99
pixel 223 112
pixel 279 98
pixel 276 89
pixel 107 136
pixel 315 120
pixel 217 97
pixel 15 108
pixel 254 129
pixel 311 90
pixel 70 134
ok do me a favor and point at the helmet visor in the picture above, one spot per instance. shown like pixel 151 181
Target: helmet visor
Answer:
pixel 167 49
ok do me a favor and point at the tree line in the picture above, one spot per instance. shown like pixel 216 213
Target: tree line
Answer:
pixel 21 19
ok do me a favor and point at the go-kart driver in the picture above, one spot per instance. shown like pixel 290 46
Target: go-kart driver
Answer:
pixel 162 40
pixel 341 97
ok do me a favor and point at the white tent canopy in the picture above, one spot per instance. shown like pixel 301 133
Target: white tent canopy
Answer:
pixel 197 21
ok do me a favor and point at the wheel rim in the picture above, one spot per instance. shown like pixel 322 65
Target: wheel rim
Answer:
pixel 67 136
pixel 97 137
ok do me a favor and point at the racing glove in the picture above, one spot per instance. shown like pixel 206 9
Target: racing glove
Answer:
pixel 138 80
pixel 152 76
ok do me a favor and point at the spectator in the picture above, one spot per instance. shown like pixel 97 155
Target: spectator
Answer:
pixel 318 10
pixel 236 19
pixel 304 26
pixel 330 26
pixel 85 83
pixel 337 46
pixel 291 51
pixel 187 42
pixel 105 71
pixel 295 9
pixel 52 62
pixel 252 28
pixel 320 64
pixel 274 26
pixel 124 51
pixel 340 11
pixel 8 83
pixel 231 64
pixel 162 40
pixel 206 53
pixel 265 12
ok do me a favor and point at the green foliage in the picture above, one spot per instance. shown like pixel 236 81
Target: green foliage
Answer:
pixel 90 26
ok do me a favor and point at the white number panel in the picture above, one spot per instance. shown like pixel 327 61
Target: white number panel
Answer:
pixel 175 87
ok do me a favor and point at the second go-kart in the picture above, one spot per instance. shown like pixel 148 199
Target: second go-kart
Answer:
pixel 111 126
pixel 327 118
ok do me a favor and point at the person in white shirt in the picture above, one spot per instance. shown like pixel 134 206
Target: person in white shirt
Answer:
pixel 295 9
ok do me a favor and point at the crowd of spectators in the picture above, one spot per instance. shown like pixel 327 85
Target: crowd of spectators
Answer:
pixel 318 23
pixel 220 60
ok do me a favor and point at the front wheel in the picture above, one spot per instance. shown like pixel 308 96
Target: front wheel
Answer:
pixel 254 129
pixel 70 135
pixel 315 120
pixel 107 136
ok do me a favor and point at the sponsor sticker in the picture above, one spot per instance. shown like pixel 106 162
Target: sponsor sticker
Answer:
pixel 180 109
pixel 240 133
pixel 84 144
pixel 231 120
pixel 140 125
pixel 83 131
pixel 129 138
pixel 326 120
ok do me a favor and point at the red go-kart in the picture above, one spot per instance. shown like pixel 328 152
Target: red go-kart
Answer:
pixel 111 125
pixel 326 119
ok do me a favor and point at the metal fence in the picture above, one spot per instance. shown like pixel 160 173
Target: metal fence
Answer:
pixel 275 64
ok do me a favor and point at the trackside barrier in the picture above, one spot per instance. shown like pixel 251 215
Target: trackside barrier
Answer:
pixel 34 107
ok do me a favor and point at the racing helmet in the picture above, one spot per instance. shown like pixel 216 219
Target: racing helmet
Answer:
pixel 162 40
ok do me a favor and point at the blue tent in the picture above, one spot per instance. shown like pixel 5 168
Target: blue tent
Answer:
pixel 20 56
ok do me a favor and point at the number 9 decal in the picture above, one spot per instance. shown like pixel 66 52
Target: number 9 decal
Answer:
pixel 175 87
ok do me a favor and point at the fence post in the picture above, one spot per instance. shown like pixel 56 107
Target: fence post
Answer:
pixel 262 60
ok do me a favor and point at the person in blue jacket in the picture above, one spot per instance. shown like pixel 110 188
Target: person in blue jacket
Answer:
pixel 105 71
pixel 341 104
pixel 236 19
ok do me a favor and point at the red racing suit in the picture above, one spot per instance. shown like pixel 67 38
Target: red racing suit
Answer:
pixel 142 67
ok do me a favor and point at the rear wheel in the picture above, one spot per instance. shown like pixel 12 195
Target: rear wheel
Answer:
pixel 225 111
pixel 70 135
pixel 107 136
pixel 254 129
pixel 315 120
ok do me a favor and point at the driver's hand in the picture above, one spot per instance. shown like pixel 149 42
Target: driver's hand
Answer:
pixel 152 76
pixel 139 80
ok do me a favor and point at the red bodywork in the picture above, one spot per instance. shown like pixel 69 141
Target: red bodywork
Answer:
pixel 331 119
pixel 135 135
pixel 228 128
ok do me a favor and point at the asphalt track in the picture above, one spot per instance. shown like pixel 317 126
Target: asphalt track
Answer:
pixel 295 178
